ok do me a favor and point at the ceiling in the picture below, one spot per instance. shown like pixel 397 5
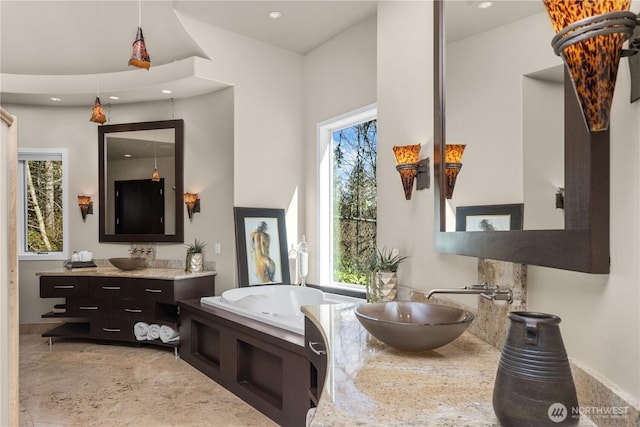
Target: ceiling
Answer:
pixel 65 45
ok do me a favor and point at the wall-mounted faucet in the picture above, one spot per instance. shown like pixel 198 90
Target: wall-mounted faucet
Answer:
pixel 492 294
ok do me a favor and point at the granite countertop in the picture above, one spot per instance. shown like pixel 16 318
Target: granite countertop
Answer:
pixel 370 383
pixel 145 273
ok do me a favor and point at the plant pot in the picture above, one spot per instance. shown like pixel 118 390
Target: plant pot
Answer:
pixel 387 285
pixel 195 262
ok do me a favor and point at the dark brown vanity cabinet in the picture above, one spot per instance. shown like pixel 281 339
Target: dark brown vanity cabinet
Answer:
pixel 107 308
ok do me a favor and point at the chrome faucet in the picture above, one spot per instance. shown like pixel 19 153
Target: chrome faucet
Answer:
pixel 492 294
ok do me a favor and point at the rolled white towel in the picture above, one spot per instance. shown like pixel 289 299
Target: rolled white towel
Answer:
pixel 154 332
pixel 140 330
pixel 168 334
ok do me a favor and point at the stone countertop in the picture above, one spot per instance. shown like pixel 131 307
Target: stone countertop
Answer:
pixel 370 383
pixel 144 273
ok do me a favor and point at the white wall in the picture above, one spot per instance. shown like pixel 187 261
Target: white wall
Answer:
pixel 340 76
pixel 600 313
pixel 269 117
pixel 208 171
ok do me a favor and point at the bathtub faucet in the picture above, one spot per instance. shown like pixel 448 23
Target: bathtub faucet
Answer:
pixel 492 294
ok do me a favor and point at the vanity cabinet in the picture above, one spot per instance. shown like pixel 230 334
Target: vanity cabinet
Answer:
pixel 108 307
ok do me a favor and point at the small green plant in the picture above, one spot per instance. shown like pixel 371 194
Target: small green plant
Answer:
pixel 195 247
pixel 387 261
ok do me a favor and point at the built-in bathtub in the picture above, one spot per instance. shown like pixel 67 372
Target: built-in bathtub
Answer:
pixel 276 305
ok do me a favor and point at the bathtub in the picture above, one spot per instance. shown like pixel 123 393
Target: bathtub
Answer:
pixel 276 305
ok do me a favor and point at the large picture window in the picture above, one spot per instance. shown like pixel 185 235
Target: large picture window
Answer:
pixel 42 193
pixel 348 198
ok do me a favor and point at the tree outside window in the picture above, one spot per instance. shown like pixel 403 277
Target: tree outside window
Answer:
pixel 354 201
pixel 42 195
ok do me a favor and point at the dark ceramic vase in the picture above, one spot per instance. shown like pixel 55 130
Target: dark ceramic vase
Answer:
pixel 534 386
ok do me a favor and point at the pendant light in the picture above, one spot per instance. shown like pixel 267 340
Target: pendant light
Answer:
pixel 140 56
pixel 155 177
pixel 97 115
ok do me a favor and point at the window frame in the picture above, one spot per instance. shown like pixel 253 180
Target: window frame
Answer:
pixel 324 136
pixel 42 154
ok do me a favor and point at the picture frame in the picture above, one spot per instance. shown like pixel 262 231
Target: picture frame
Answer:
pixel 261 246
pixel 490 217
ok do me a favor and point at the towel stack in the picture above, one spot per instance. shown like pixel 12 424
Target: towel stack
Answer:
pixel 146 332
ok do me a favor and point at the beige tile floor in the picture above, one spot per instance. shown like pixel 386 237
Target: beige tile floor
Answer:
pixel 82 383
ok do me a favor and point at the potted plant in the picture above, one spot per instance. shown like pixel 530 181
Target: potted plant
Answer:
pixel 194 260
pixel 384 276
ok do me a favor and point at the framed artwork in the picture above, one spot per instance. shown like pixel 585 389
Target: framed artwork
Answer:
pixel 261 246
pixel 490 217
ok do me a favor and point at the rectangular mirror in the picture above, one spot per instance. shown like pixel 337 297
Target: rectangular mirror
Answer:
pixel 136 204
pixel 582 242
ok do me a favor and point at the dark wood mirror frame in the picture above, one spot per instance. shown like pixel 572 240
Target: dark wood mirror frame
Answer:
pixel 178 237
pixel 583 245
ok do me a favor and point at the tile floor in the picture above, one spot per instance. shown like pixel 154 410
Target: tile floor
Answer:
pixel 81 383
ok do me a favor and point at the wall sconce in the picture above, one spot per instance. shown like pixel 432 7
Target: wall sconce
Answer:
pixel 589 40
pixel 453 164
pixel 86 206
pixel 193 203
pixel 560 198
pixel 410 168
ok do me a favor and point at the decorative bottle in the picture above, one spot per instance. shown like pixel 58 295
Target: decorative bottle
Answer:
pixel 303 261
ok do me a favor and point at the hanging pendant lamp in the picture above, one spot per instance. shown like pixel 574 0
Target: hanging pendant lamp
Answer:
pixel 155 176
pixel 140 56
pixel 98 113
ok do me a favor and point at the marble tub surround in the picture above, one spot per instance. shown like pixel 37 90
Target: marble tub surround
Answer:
pixel 370 383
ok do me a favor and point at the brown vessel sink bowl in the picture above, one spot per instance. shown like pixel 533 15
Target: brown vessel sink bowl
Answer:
pixel 128 264
pixel 413 326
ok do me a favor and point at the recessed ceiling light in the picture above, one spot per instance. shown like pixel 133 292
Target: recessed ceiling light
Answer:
pixel 166 91
pixel 115 98
pixel 127 155
pixel 275 14
pixel 54 99
pixel 485 4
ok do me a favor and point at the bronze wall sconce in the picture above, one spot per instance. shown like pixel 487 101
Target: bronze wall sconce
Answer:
pixel 192 201
pixel 410 168
pixel 86 206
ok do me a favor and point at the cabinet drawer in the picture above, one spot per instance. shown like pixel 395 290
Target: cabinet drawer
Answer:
pixel 113 329
pixel 153 290
pixel 133 309
pixel 63 286
pixel 88 307
pixel 109 287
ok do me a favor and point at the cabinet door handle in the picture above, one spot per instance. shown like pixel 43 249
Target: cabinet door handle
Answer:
pixel 133 310
pixel 154 291
pixel 111 288
pixel 88 307
pixel 63 286
pixel 312 346
pixel 111 330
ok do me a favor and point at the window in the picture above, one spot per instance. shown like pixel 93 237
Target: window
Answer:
pixel 42 195
pixel 348 197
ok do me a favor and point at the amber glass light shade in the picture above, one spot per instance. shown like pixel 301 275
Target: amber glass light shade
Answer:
pixel 140 57
pixel 192 202
pixel 453 164
pixel 592 60
pixel 155 177
pixel 453 153
pixel 407 165
pixel 86 206
pixel 97 116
